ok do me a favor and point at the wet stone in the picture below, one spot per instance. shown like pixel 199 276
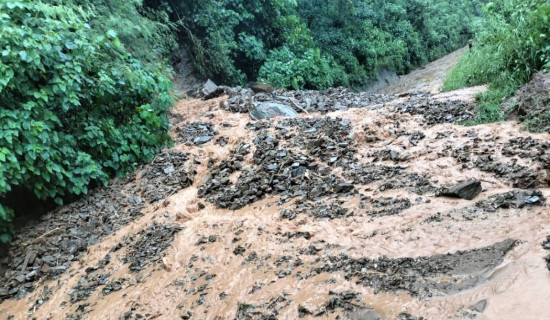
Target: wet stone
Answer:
pixel 196 133
pixel 467 190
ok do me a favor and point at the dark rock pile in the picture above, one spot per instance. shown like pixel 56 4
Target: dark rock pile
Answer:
pixel 391 178
pixel 384 206
pixel 436 111
pixel 241 100
pixel 482 154
pixel 196 133
pixel 46 249
pixel 320 210
pixel 147 246
pixel 279 169
pixel 421 276
pixel 166 175
pixel 516 199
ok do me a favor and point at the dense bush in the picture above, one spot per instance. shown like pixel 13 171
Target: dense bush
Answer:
pixel 234 41
pixel 75 109
pixel 310 69
pixel 512 42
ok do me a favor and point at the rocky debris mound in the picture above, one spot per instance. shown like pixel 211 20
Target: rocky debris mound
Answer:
pixel 277 168
pixel 268 110
pixel 466 190
pixel 515 199
pixel 424 276
pixel 390 178
pixel 196 133
pixel 334 99
pixel 384 206
pixel 481 153
pixel 147 246
pixel 166 175
pixel 319 210
pixel 531 103
pixel 436 111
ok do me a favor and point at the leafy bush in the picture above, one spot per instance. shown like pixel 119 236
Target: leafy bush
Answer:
pixel 512 43
pixel 76 108
pixel 310 70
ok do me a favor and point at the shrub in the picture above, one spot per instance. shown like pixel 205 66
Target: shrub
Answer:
pixel 76 108
pixel 310 70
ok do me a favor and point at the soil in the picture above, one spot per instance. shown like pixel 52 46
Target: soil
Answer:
pixel 337 213
pixel 531 103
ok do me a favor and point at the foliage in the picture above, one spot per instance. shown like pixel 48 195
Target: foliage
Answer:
pixel 76 108
pixel 512 43
pixel 233 41
pixel 147 34
pixel 310 70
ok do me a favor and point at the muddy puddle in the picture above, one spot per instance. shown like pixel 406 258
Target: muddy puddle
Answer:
pixel 334 214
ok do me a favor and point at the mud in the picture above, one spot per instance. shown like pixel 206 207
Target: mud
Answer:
pixel 334 214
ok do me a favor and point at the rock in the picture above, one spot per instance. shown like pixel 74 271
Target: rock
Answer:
pixel 4 292
pixel 268 110
pixel 202 140
pixel 467 190
pixel 480 306
pixel 210 89
pixel 343 187
pixel 260 87
pixel 546 244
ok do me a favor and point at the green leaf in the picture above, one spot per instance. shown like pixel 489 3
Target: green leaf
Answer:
pixel 111 33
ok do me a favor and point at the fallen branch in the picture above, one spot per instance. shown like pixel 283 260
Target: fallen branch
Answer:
pixel 297 106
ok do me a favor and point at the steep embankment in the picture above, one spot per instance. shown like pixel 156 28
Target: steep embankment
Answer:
pixel 333 213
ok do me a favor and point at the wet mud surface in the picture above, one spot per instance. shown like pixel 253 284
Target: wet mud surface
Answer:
pixel 337 213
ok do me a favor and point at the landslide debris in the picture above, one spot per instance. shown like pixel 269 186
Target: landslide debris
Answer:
pixel 425 276
pixel 47 248
pixel 531 103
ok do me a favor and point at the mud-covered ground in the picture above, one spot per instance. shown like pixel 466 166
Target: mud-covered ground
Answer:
pixel 334 214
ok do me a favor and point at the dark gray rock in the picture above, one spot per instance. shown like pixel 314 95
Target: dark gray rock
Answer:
pixel 466 190
pixel 209 89
pixel 260 87
pixel 268 110
pixel 202 140
pixel 343 187
pixel 480 306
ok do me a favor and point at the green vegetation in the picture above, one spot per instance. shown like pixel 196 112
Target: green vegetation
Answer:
pixel 76 107
pixel 512 42
pixel 317 43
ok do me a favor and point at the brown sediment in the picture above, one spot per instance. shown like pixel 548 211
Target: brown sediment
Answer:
pixel 341 252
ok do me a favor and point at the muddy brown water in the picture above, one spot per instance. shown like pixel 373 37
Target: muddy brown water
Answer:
pixel 435 258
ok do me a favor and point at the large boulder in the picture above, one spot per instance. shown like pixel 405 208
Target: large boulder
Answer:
pixel 268 110
pixel 466 190
pixel 260 87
